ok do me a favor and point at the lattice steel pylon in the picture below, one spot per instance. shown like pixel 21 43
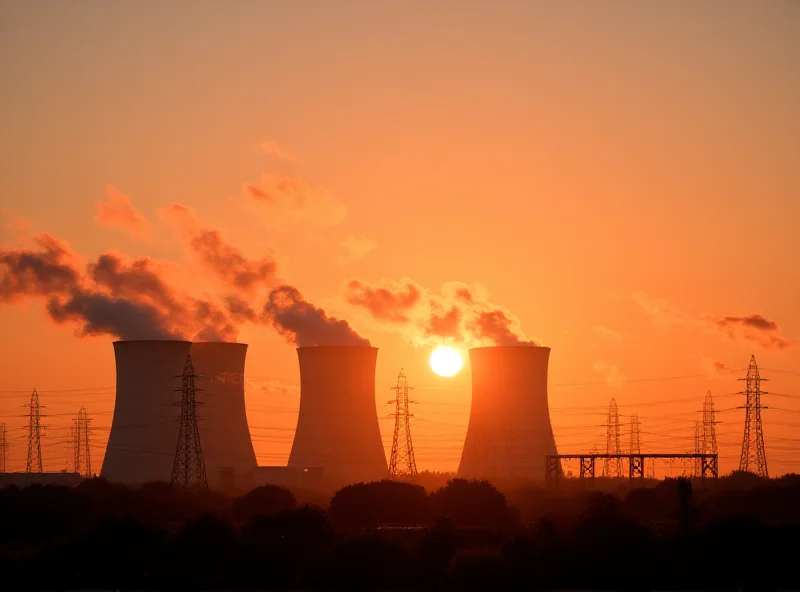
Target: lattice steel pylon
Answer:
pixel 81 450
pixel 3 447
pixel 636 443
pixel 709 426
pixel 754 457
pixel 34 463
pixel 612 467
pixel 189 470
pixel 402 462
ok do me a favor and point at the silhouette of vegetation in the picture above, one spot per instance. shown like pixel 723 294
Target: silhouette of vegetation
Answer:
pixel 463 535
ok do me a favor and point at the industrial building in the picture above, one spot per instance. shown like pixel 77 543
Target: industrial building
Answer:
pixel 144 431
pixel 509 434
pixel 337 427
pixel 222 418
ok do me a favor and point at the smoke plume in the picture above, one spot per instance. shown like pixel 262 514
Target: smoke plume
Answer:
pixel 303 324
pixel 50 270
pixel 458 313
pixel 127 300
pixel 217 255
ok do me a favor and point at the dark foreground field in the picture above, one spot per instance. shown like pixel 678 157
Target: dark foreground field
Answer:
pixel 735 533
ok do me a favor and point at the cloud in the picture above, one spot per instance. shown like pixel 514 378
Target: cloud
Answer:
pixel 125 299
pixel 118 212
pixel 303 324
pixel 354 248
pixel 607 333
pixel 457 313
pixel 100 314
pixel 25 272
pixel 291 200
pixel 218 256
pixel 388 303
pixel 714 368
pixel 273 149
pixel 662 311
pixel 611 374
pixel 751 328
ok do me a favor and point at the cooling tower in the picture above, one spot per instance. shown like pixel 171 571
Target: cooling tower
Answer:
pixel 144 430
pixel 222 418
pixel 337 428
pixel 509 434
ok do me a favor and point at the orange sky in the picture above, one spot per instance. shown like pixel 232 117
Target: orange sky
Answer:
pixel 620 178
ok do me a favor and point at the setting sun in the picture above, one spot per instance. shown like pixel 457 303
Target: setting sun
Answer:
pixel 446 361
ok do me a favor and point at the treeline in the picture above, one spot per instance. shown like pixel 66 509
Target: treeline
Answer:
pixel 738 532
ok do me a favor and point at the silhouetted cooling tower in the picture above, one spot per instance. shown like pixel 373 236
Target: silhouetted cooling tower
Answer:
pixel 222 418
pixel 509 434
pixel 144 431
pixel 337 428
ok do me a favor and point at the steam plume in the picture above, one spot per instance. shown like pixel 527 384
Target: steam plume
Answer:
pixel 303 324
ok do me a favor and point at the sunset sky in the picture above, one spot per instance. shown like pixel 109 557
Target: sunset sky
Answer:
pixel 618 181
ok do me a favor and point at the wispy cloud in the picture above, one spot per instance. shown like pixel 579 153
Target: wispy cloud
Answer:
pixel 273 149
pixel 118 212
pixel 752 328
pixel 611 373
pixel 608 334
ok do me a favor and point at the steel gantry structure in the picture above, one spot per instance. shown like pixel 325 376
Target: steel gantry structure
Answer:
pixel 708 463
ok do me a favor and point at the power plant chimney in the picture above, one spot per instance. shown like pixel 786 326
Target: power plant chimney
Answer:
pixel 509 434
pixel 222 417
pixel 337 428
pixel 144 431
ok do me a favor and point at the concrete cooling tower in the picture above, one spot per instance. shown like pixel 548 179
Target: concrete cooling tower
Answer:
pixel 337 428
pixel 144 431
pixel 222 418
pixel 509 434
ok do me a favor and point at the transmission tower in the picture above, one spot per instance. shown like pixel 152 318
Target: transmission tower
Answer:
pixel 189 471
pixel 3 447
pixel 612 466
pixel 83 459
pixel 709 429
pixel 402 461
pixel 754 457
pixel 636 444
pixel 34 464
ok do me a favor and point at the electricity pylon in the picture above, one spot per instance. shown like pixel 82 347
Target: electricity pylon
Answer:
pixel 754 457
pixel 81 451
pixel 612 467
pixel 402 461
pixel 189 471
pixel 709 426
pixel 34 463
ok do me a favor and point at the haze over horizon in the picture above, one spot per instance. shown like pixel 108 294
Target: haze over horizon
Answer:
pixel 616 182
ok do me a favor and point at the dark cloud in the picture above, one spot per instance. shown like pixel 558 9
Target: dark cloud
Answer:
pixel 752 321
pixel 385 304
pixel 754 328
pixel 228 262
pixel 49 270
pixel 101 314
pixel 303 324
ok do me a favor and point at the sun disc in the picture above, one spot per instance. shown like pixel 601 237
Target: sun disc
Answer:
pixel 446 361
